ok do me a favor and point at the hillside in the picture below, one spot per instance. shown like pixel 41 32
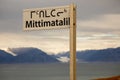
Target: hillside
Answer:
pixel 27 55
pixel 34 55
pixel 103 55
pixel 5 57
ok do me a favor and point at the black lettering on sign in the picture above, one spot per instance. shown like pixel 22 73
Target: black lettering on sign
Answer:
pixel 28 24
pixel 56 22
pixel 31 13
pixel 41 13
pixel 52 13
pixel 58 14
pixel 46 14
pixel 52 23
pixel 46 23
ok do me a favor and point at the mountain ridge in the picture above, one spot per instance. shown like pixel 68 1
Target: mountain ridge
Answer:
pixel 35 55
pixel 27 55
pixel 101 55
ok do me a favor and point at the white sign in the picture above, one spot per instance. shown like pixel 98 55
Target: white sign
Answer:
pixel 54 18
pixel 46 18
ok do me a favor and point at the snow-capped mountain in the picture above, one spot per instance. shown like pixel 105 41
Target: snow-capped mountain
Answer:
pixel 103 55
pixel 26 55
pixel 34 55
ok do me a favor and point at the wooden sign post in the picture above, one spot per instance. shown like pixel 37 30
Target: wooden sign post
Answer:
pixel 54 18
pixel 72 42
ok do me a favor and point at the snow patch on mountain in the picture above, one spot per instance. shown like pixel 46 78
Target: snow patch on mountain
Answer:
pixel 63 59
pixel 8 50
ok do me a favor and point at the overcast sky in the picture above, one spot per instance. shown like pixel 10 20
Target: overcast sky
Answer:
pixel 98 25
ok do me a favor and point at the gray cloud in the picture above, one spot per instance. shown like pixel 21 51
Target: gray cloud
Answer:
pixel 92 8
pixel 96 20
pixel 86 9
pixel 11 12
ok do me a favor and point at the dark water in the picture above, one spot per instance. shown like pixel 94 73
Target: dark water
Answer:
pixel 85 71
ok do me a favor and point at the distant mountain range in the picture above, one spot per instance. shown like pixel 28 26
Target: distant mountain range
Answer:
pixel 103 55
pixel 34 55
pixel 26 55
